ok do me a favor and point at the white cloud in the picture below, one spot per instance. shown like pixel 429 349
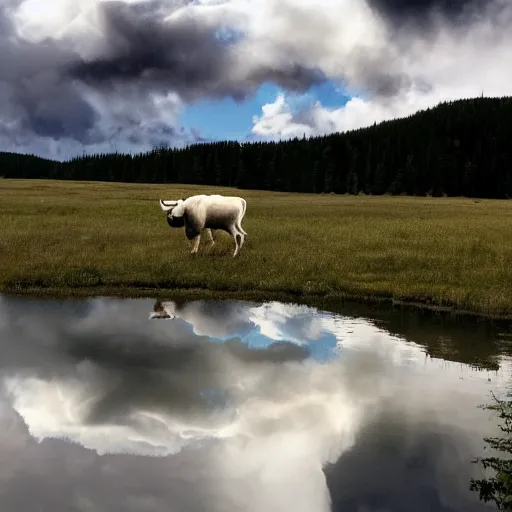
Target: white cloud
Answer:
pixel 450 64
pixel 277 119
pixel 280 121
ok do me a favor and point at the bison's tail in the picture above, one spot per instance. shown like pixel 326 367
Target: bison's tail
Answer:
pixel 242 215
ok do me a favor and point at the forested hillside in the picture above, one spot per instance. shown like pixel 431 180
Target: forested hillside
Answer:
pixel 457 148
pixel 25 166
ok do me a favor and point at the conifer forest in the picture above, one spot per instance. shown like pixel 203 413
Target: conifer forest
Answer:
pixel 458 148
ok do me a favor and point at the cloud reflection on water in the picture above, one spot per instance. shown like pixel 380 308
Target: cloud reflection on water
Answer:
pixel 253 399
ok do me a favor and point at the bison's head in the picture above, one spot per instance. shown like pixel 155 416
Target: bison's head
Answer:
pixel 175 222
pixel 175 212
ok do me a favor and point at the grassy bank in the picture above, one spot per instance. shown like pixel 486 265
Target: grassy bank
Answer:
pixel 75 237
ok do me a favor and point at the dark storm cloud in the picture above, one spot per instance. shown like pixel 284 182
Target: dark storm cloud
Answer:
pixel 382 81
pixel 382 78
pixel 43 82
pixel 169 379
pixel 33 90
pixel 52 108
pixel 401 465
pixel 6 26
pixel 421 13
pixel 140 47
pixel 183 56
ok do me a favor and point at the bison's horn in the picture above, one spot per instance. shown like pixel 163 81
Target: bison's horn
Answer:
pixel 169 206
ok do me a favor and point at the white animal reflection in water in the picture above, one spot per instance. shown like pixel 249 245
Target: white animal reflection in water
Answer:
pixel 265 395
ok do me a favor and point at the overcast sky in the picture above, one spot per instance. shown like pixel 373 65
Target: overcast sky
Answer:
pixel 91 75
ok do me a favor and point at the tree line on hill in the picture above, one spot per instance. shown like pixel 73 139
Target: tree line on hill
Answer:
pixel 458 148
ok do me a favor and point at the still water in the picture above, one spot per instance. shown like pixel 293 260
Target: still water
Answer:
pixel 137 405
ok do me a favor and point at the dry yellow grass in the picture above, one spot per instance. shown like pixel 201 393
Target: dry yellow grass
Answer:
pixel 111 236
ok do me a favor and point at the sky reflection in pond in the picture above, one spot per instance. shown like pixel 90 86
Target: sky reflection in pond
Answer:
pixel 230 406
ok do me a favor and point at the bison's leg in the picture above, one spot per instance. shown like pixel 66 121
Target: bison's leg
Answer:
pixel 240 228
pixel 238 225
pixel 241 234
pixel 210 235
pixel 235 234
pixel 196 240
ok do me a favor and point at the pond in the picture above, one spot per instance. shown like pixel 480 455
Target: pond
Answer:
pixel 144 405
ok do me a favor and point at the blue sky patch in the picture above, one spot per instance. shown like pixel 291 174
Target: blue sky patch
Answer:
pixel 321 350
pixel 229 120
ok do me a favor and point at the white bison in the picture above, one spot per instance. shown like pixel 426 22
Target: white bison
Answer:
pixel 207 212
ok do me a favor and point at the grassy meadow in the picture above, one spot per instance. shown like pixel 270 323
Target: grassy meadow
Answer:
pixel 112 238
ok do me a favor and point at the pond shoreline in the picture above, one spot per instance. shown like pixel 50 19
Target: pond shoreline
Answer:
pixel 329 300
